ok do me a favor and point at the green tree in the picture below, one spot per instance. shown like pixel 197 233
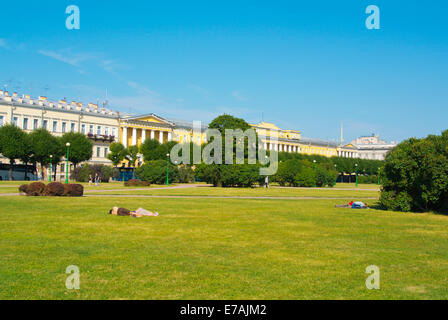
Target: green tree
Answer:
pixel 28 154
pixel 117 153
pixel 415 175
pixel 155 172
pixel 13 144
pixel 148 149
pixel 81 147
pixel 45 144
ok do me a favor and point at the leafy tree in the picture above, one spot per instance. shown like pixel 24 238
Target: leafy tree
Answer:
pixel 45 144
pixel 132 155
pixel 155 172
pixel 305 178
pixel 28 155
pixel 148 149
pixel 117 153
pixel 13 144
pixel 81 147
pixel 415 175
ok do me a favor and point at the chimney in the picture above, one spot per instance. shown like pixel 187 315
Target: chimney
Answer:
pixel 1 92
pixel 14 94
pixel 27 96
pixel 6 93
pixel 42 98
pixel 62 101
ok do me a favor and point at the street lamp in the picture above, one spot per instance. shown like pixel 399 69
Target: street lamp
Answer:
pixel 315 182
pixel 51 166
pixel 167 169
pixel 378 175
pixel 66 169
pixel 356 166
pixel 335 168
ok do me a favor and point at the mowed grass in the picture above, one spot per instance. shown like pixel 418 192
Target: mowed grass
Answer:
pixel 218 249
pixel 251 192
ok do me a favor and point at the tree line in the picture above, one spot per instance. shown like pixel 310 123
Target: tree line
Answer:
pixel 41 147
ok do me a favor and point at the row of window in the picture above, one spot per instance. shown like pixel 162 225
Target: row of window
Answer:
pixel 65 126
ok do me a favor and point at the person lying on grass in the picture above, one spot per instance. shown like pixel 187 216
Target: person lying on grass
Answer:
pixel 140 212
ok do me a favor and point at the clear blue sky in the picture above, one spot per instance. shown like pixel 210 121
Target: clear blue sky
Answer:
pixel 304 65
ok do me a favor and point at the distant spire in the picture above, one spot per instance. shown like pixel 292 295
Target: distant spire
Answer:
pixel 342 132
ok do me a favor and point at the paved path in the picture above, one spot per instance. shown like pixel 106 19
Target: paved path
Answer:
pixel 342 189
pixel 181 186
pixel 222 197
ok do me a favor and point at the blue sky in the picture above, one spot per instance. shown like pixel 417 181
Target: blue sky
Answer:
pixel 303 65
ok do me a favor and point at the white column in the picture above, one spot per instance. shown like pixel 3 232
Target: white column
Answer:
pixel 270 145
pixel 170 136
pixel 125 137
pixel 134 136
pixel 143 135
pixel 276 147
pixel 152 134
pixel 161 137
pixel 289 148
pixel 265 146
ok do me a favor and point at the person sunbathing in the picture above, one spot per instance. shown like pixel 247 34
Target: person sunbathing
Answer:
pixel 140 212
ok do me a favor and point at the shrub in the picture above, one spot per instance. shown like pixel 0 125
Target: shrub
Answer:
pixel 23 189
pixel 305 178
pixel 36 189
pixel 73 190
pixel 136 182
pixel 325 177
pixel 415 175
pixel 155 172
pixel 81 173
pixel 54 189
pixel 186 174
pixel 287 170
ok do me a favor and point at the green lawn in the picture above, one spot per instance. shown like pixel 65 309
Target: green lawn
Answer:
pixel 218 249
pixel 255 192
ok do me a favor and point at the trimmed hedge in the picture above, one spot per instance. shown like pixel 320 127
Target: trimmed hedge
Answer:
pixel 55 189
pixel 136 182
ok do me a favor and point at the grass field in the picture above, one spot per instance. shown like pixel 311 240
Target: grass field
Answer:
pixel 218 249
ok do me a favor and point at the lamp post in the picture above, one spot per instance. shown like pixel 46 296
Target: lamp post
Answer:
pixel 335 168
pixel 378 175
pixel 66 169
pixel 51 166
pixel 167 169
pixel 356 166
pixel 315 182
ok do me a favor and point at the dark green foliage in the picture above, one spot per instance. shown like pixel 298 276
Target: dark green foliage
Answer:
pixel 152 149
pixel 81 173
pixel 415 175
pixel 287 170
pixel 305 178
pixel 117 153
pixel 155 172
pixel 325 177
pixel 185 174
pixel 81 147
pixel 132 155
pixel 45 144
pixel 13 144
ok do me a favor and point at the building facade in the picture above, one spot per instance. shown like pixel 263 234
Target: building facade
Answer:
pixel 104 126
pixel 372 147
pixel 99 124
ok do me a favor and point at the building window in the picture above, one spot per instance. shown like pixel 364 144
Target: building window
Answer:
pixel 62 167
pixel 114 132
pixel 98 150
pixel 35 124
pixel 106 151
pixel 91 129
pixel 64 126
pixel 106 131
pixel 25 124
pixel 72 127
pixel 83 128
pixel 15 121
pixel 1 120
pixel 45 124
pixel 55 126
pixel 98 130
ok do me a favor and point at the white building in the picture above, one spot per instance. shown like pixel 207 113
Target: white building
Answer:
pixel 372 147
